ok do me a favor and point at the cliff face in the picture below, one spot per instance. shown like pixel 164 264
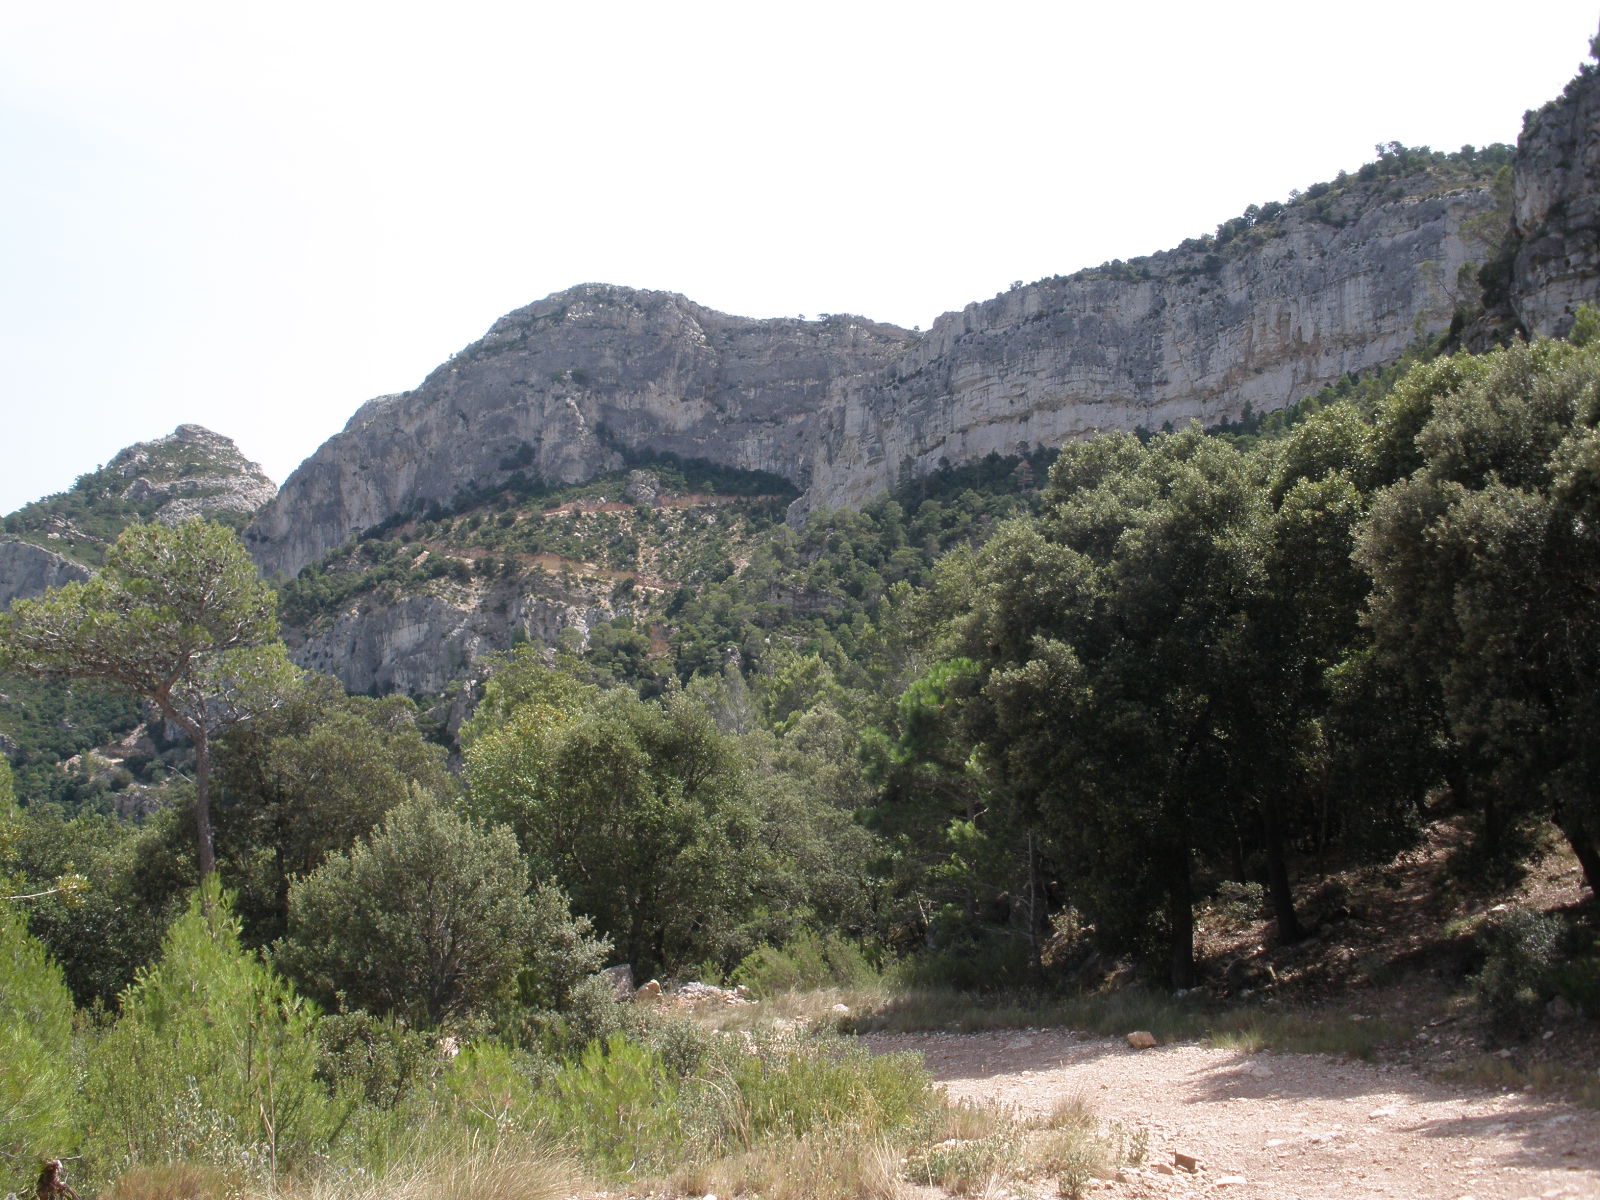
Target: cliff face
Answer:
pixel 1341 280
pixel 1556 218
pixel 27 570
pixel 845 407
pixel 1192 334
pixel 420 643
pixel 558 389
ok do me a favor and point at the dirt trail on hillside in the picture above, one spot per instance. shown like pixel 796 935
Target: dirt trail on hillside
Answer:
pixel 1280 1126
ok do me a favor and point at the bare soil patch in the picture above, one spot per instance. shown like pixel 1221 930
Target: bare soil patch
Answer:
pixel 1283 1126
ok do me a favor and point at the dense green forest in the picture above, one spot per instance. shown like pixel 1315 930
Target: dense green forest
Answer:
pixel 1012 726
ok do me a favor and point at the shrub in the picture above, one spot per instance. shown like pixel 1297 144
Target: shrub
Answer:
pixel 981 964
pixel 213 1059
pixel 490 1089
pixel 805 961
pixel 1520 950
pixel 430 919
pixel 379 1058
pixel 1237 903
pixel 791 1089
pixel 36 1086
pixel 615 1107
pixel 1577 979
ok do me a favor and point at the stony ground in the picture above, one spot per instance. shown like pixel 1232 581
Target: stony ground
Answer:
pixel 1284 1126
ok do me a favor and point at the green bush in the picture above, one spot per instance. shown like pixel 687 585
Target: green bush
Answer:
pixel 616 1108
pixel 805 961
pixel 1577 979
pixel 36 1085
pixel 979 964
pixel 590 1012
pixel 792 1089
pixel 491 1089
pixel 430 919
pixel 1521 948
pixel 376 1057
pixel 213 1059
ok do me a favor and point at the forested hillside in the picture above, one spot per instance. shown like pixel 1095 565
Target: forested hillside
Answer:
pixel 1020 727
pixel 342 880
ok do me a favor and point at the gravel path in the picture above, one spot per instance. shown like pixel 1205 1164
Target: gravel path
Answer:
pixel 1284 1126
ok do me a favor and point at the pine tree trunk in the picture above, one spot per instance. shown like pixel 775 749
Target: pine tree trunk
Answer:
pixel 206 851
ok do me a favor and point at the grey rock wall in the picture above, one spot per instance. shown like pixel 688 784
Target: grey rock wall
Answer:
pixel 1185 335
pixel 845 407
pixel 557 389
pixel 27 570
pixel 1557 209
pixel 418 644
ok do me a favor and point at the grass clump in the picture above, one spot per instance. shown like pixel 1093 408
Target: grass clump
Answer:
pixel 827 1166
pixel 984 1147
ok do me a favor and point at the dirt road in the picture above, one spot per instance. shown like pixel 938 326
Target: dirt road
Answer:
pixel 1281 1126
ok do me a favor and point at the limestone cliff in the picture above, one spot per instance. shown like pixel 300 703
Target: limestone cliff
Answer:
pixel 557 390
pixel 1281 301
pixel 1198 333
pixel 27 570
pixel 1556 219
pixel 844 407
pixel 418 644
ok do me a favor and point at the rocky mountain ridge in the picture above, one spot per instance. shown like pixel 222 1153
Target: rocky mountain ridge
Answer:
pixel 191 472
pixel 584 384
pixel 1279 303
pixel 562 390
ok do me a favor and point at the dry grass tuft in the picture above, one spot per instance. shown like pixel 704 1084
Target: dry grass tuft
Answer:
pixel 987 1149
pixel 1501 1074
pixel 508 1171
pixel 822 1167
pixel 176 1181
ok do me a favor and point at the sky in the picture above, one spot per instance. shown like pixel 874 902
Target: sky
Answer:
pixel 255 216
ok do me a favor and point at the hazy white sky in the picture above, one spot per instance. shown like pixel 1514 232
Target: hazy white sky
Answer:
pixel 258 215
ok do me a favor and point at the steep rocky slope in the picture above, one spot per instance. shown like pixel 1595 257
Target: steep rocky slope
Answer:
pixel 558 390
pixel 1300 295
pixel 191 472
pixel 1287 305
pixel 26 570
pixel 1279 302
pixel 411 609
pixel 1557 208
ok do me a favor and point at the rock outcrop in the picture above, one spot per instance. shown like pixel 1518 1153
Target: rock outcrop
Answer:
pixel 844 407
pixel 419 644
pixel 27 570
pixel 191 472
pixel 1556 218
pixel 559 390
